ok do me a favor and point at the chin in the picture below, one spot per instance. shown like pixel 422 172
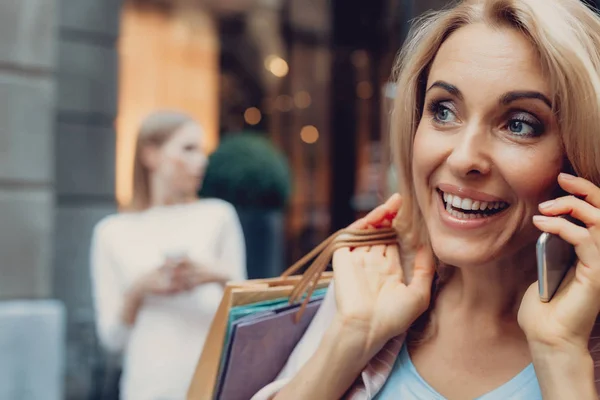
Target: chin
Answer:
pixel 460 252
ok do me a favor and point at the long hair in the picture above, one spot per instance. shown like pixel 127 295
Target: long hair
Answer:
pixel 566 36
pixel 155 130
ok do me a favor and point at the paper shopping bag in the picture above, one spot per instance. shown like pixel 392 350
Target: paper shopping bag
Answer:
pixel 235 294
pixel 259 348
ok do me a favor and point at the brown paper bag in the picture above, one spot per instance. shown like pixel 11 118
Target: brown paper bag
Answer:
pixel 236 294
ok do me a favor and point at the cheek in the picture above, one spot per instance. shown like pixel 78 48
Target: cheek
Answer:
pixel 173 167
pixel 179 160
pixel 422 167
pixel 190 165
pixel 419 159
pixel 427 156
pixel 532 176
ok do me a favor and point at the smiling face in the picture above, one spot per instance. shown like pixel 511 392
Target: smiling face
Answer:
pixel 487 149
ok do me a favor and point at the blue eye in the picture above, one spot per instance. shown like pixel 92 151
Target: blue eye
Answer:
pixel 520 128
pixel 525 125
pixel 443 114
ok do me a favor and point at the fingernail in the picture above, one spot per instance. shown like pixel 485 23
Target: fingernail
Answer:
pixel 540 218
pixel 567 176
pixel 547 204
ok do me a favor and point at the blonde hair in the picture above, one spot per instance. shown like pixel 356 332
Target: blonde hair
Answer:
pixel 155 130
pixel 566 35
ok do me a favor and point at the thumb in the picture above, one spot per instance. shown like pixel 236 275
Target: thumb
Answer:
pixel 424 270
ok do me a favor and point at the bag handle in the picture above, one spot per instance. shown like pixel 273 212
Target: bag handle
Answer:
pixel 323 253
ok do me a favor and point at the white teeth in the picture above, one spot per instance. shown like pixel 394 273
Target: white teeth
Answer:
pixel 456 201
pixel 466 204
pixel 460 215
pixel 470 204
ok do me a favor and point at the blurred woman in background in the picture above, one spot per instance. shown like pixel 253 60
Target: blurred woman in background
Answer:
pixel 158 270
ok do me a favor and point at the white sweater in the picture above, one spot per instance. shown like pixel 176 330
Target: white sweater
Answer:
pixel 162 348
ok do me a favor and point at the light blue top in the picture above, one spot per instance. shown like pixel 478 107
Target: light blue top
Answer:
pixel 405 383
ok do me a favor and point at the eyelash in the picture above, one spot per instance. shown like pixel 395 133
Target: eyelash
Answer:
pixel 435 106
pixel 525 117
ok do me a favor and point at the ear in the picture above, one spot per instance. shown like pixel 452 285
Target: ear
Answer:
pixel 150 156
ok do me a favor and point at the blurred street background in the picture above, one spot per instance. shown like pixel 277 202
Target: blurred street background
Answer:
pixel 77 77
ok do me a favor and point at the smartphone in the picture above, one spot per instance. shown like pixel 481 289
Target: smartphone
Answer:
pixel 554 258
pixel 174 257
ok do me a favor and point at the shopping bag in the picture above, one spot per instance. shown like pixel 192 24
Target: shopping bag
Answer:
pixel 235 294
pixel 298 290
pixel 259 347
pixel 263 308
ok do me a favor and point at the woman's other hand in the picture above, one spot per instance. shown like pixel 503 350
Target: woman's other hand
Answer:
pixel 165 280
pixel 190 274
pixel 158 282
pixel 178 276
pixel 566 321
pixel 173 277
pixel 373 298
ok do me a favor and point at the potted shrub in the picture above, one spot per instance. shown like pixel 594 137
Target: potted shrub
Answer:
pixel 248 171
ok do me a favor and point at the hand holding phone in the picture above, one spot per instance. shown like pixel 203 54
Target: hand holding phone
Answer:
pixel 555 257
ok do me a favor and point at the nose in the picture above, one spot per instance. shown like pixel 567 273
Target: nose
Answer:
pixel 470 155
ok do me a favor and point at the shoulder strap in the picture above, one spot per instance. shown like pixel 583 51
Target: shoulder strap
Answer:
pixel 322 254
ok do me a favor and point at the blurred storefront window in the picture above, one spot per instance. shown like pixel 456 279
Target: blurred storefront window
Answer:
pixel 167 60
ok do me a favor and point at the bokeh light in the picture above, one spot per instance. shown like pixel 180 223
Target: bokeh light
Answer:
pixel 252 116
pixel 277 66
pixel 309 134
pixel 302 99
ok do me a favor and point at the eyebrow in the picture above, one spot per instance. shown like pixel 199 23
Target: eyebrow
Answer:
pixel 514 96
pixel 506 98
pixel 453 90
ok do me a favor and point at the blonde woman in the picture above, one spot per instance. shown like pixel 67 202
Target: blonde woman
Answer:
pixel 498 107
pixel 158 269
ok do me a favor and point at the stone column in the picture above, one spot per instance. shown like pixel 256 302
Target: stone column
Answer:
pixel 84 168
pixel 27 63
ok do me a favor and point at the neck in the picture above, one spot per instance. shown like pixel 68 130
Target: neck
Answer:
pixel 492 291
pixel 163 195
